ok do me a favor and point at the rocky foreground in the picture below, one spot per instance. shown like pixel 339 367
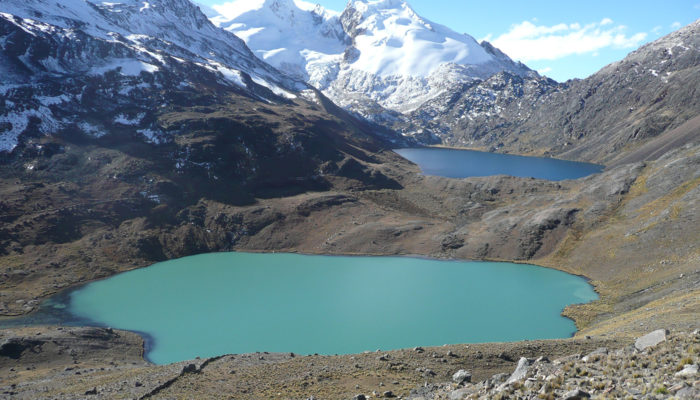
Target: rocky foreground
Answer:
pixel 657 366
pixel 96 363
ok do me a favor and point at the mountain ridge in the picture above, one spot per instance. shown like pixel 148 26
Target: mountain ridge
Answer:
pixel 620 107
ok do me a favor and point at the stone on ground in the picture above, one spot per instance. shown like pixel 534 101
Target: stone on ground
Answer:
pixel 650 339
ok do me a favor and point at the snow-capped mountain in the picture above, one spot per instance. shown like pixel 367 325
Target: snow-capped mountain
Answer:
pixel 53 52
pixel 375 57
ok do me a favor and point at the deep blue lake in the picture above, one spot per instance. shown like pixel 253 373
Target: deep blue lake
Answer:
pixel 214 304
pixel 456 163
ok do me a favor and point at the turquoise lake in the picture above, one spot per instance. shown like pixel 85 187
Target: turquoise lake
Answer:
pixel 222 303
pixel 455 163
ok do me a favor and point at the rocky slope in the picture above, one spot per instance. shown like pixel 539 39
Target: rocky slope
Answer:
pixel 654 367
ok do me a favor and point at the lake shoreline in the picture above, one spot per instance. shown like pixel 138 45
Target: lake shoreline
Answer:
pixel 150 340
pixel 432 217
pixel 466 163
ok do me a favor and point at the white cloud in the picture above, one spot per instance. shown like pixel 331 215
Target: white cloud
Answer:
pixel 676 25
pixel 656 30
pixel 544 70
pixel 527 42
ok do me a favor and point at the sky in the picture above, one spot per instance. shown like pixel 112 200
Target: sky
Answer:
pixel 560 39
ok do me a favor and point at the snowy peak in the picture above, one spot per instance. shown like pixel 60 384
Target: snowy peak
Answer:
pixel 375 6
pixel 288 34
pixel 395 41
pixel 281 8
pixel 286 10
pixel 379 11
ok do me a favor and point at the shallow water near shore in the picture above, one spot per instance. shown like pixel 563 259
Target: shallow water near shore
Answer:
pixel 223 303
pixel 457 163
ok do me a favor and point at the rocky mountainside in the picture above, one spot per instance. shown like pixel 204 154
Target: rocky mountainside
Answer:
pixel 97 67
pixel 649 93
pixel 377 58
pixel 157 79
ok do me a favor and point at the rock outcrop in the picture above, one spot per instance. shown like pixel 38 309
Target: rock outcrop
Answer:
pixel 668 368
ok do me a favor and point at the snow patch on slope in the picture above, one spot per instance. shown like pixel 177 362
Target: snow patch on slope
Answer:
pixel 126 67
pixel 274 88
pixel 125 120
pixel 15 123
pixel 91 129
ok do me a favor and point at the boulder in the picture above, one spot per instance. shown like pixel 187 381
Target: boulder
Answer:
pixel 689 371
pixel 595 354
pixel 462 376
pixel 460 394
pixel 520 371
pixel 576 394
pixel 451 242
pixel 189 368
pixel 687 393
pixel 650 339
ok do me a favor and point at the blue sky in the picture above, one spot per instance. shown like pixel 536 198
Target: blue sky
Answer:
pixel 561 39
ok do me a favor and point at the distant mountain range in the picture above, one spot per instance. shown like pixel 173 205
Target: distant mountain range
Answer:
pixel 379 58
